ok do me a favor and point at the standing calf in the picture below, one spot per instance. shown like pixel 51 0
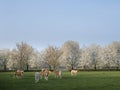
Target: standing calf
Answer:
pixel 37 77
pixel 18 73
pixel 58 74
pixel 45 73
pixel 74 72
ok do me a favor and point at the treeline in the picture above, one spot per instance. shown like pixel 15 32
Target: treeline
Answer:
pixel 69 56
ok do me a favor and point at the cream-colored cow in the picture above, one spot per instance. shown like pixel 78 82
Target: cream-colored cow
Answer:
pixel 74 72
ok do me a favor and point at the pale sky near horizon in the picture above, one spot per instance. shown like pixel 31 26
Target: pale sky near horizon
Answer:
pixel 52 22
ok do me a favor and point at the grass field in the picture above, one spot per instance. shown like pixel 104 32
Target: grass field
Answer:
pixel 92 80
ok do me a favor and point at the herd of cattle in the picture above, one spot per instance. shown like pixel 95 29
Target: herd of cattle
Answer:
pixel 44 74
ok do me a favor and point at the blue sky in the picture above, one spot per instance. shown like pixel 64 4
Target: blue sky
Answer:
pixel 52 22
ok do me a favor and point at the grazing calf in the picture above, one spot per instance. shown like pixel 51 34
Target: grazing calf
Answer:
pixel 74 72
pixel 19 73
pixel 58 74
pixel 45 73
pixel 37 77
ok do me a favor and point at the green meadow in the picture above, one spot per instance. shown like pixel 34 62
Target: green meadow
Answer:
pixel 91 80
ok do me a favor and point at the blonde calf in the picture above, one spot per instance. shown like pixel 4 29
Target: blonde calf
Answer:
pixel 74 72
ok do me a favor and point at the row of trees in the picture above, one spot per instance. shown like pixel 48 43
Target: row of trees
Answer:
pixel 68 56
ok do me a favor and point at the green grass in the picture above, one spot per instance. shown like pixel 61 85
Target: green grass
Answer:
pixel 83 81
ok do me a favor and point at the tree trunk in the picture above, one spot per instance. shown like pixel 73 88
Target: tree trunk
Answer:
pixel 5 68
pixel 95 67
pixel 54 67
pixel 50 67
pixel 72 67
pixel 27 67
